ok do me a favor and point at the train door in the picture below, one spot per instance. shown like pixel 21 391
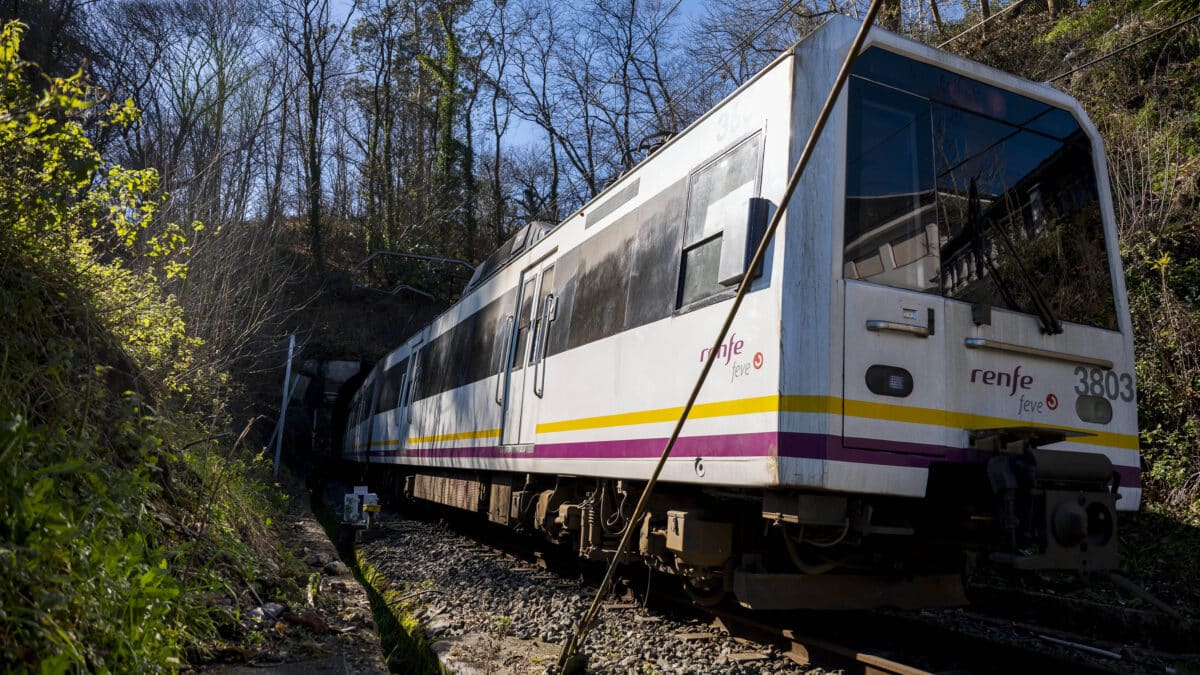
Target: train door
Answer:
pixel 409 366
pixel 389 425
pixel 526 373
pixel 894 366
pixel 894 363
pixel 408 394
pixel 363 412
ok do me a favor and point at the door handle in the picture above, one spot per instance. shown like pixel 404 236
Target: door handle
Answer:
pixel 412 382
pixel 879 326
pixel 539 368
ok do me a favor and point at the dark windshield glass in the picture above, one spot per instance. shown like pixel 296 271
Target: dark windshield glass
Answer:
pixel 960 188
pixel 891 225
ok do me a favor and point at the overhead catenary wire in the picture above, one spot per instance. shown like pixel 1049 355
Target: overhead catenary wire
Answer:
pixel 1131 45
pixel 981 23
pixel 583 627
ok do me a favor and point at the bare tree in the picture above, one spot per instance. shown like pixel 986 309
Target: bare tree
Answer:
pixel 534 86
pixel 313 39
pixel 737 38
pixel 497 33
pixel 210 81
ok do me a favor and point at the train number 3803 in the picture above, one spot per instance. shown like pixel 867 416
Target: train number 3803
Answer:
pixel 1106 383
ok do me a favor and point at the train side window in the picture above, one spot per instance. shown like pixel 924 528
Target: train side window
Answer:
pixel 391 386
pixel 428 364
pixel 483 340
pixel 431 364
pixel 718 197
pixel 524 323
pixel 603 287
pixel 565 281
pixel 656 261
pixel 461 354
pixel 359 409
pixel 699 271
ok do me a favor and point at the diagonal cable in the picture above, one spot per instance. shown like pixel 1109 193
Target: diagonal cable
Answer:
pixel 586 622
pixel 1128 46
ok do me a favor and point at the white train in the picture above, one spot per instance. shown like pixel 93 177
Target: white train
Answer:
pixel 935 363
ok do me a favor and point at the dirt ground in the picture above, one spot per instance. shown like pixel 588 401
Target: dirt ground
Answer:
pixel 330 629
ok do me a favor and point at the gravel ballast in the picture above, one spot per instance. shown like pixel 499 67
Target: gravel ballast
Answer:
pixel 490 612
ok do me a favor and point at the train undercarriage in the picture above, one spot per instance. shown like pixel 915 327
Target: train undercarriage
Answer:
pixel 786 549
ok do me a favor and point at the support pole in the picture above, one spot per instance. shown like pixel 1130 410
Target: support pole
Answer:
pixel 287 393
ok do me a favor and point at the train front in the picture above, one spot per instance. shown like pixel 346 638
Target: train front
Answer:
pixel 988 355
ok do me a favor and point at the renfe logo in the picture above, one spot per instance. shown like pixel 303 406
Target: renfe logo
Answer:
pixel 1011 381
pixel 732 347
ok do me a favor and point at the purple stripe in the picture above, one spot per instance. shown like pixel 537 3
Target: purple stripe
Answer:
pixel 733 445
pixel 822 446
pixel 763 444
pixel 1131 476
pixel 865 451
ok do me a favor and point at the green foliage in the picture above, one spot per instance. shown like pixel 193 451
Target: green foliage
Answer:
pixel 1143 101
pixel 1144 104
pixel 404 640
pixel 118 531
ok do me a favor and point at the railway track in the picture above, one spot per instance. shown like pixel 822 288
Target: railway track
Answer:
pixel 877 644
pixel 901 643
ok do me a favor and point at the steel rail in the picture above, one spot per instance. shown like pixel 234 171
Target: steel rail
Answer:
pixel 582 628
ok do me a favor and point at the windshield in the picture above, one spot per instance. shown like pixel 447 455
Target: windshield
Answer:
pixel 959 188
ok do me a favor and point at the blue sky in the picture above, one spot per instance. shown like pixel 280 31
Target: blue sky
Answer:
pixel 525 133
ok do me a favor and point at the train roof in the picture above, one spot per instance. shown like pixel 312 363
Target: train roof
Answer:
pixel 840 29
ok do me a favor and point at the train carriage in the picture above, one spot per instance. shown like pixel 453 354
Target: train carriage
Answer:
pixel 935 359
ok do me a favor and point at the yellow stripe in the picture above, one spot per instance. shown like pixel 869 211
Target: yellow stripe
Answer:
pixel 810 404
pixel 464 435
pixel 717 409
pixel 949 418
pixel 828 405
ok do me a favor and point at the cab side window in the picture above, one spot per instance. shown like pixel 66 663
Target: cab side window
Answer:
pixel 719 194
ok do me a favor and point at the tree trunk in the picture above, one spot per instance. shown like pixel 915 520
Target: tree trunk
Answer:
pixel 937 17
pixel 1056 6
pixel 889 15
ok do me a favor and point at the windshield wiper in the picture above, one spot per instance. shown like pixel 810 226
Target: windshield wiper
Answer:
pixel 1049 322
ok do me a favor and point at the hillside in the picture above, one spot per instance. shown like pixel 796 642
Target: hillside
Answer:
pixel 175 208
pixel 1135 67
pixel 136 522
